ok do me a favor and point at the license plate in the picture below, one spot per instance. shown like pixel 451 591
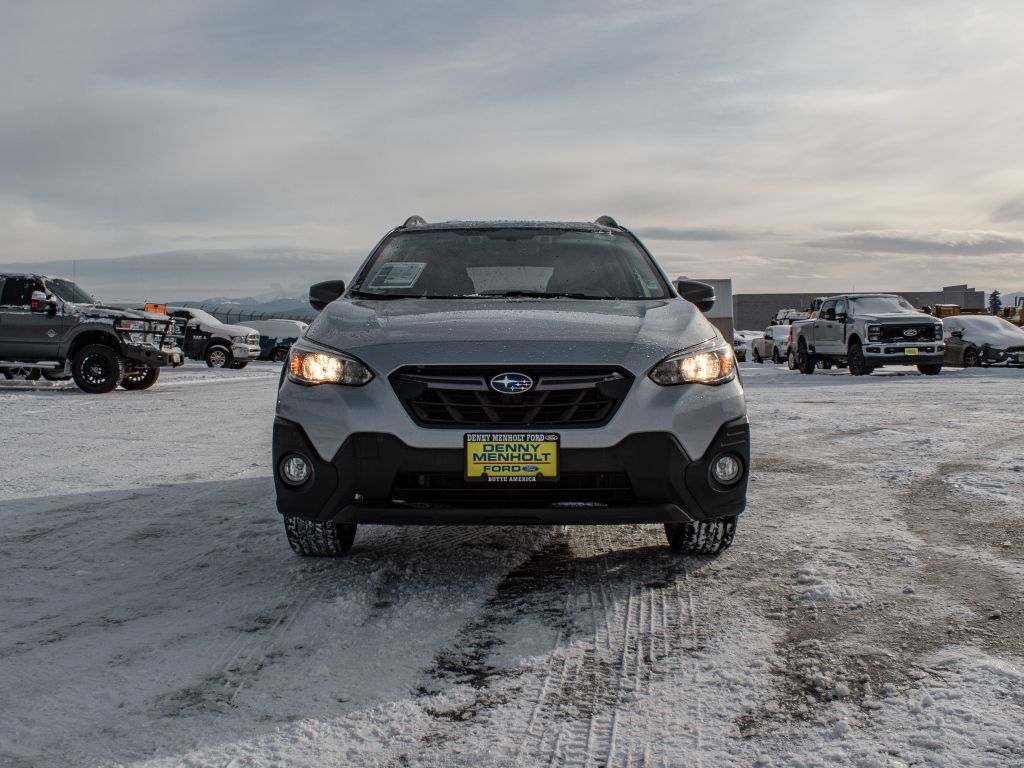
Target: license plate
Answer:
pixel 910 351
pixel 511 457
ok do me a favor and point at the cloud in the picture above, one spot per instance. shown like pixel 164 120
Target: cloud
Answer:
pixel 692 233
pixel 964 243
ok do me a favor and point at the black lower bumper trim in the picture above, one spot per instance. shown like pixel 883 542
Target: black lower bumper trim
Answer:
pixel 376 478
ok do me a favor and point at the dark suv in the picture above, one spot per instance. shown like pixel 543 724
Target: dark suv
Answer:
pixel 51 327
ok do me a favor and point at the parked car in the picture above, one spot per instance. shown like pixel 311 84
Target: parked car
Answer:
pixel 867 330
pixel 277 336
pixel 50 327
pixel 773 345
pixel 741 341
pixel 510 373
pixel 206 338
pixel 983 340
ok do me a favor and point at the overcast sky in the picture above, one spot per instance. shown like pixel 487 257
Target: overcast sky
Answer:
pixel 788 145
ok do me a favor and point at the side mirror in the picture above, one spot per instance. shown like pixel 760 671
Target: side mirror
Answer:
pixel 42 302
pixel 697 293
pixel 957 334
pixel 322 294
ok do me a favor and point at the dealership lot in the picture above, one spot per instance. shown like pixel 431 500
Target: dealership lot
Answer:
pixel 869 612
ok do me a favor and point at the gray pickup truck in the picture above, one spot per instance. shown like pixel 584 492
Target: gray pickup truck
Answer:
pixel 868 330
pixel 51 327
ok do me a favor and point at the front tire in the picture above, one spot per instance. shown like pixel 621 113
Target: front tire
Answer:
pixel 791 361
pixel 971 359
pixel 701 537
pixel 141 380
pixel 776 357
pixel 930 370
pixel 804 361
pixel 97 369
pixel 855 361
pixel 757 357
pixel 218 356
pixel 313 539
pixel 238 365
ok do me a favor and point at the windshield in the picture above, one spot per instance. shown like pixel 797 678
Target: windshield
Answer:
pixel 198 314
pixel 880 304
pixel 67 291
pixel 511 262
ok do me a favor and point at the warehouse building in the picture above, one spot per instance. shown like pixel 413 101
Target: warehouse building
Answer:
pixel 754 311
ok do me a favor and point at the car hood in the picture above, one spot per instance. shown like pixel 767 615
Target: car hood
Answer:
pixel 996 338
pixel 892 318
pixel 390 334
pixel 236 330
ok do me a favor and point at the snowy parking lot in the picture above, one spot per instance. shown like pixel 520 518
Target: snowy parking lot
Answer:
pixel 869 613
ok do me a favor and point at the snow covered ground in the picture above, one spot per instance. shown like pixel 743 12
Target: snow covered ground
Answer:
pixel 869 613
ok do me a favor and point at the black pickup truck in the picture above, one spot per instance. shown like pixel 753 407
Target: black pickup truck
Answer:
pixel 50 327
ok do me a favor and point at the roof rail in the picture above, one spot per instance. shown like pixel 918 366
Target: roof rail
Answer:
pixel 607 221
pixel 415 221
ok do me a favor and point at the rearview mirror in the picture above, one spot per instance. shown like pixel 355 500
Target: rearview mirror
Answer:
pixel 322 294
pixel 697 293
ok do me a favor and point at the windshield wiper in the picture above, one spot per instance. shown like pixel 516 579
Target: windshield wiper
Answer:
pixel 540 295
pixel 370 295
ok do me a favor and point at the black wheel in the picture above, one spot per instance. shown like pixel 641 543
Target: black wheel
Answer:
pixel 825 365
pixel 97 369
pixel 856 362
pixel 238 364
pixel 757 357
pixel 319 539
pixel 281 354
pixel 971 359
pixel 218 356
pixel 776 357
pixel 23 373
pixel 804 361
pixel 143 379
pixel 705 537
pixel 930 370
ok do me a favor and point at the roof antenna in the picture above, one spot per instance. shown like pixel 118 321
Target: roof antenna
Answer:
pixel 415 221
pixel 607 221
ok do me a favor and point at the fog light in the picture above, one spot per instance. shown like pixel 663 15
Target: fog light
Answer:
pixel 727 469
pixel 295 469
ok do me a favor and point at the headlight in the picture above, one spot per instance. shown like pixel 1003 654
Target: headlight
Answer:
pixel 938 333
pixel 131 325
pixel 238 339
pixel 307 366
pixel 874 333
pixel 707 363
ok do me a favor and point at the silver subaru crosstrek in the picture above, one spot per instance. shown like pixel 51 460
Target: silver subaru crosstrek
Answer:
pixel 502 373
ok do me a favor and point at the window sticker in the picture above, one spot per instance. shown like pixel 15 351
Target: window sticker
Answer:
pixel 398 274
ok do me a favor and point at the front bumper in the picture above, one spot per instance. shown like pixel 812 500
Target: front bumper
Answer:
pixel 152 355
pixel 645 478
pixel 245 352
pixel 881 353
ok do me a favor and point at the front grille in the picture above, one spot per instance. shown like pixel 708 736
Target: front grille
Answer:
pixel 451 489
pixel 462 397
pixel 925 332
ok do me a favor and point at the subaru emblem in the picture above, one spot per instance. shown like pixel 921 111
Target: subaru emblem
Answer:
pixel 910 332
pixel 511 383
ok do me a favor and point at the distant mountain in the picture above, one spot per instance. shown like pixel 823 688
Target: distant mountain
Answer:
pixel 263 274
